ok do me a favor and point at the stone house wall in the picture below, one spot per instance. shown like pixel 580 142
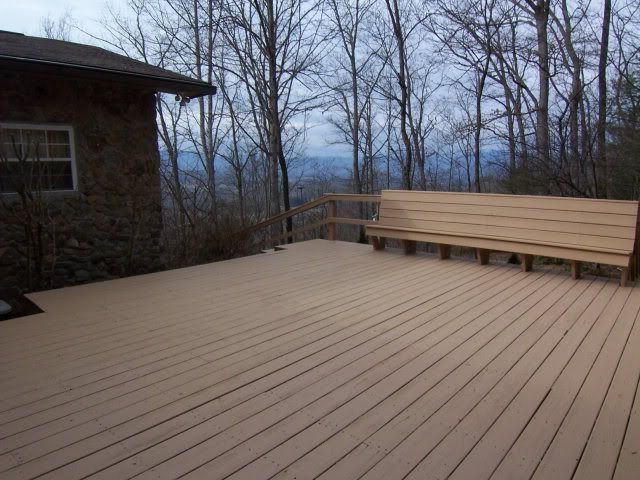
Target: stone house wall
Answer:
pixel 110 227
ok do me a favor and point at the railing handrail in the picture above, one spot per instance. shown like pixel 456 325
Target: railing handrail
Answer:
pixel 324 199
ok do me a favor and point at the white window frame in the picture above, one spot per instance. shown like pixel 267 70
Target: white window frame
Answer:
pixel 72 149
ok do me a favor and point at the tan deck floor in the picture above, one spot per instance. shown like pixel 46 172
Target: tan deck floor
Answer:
pixel 330 361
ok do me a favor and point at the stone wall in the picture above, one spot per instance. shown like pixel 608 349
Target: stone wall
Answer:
pixel 112 226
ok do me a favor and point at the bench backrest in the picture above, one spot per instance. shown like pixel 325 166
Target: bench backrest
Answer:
pixel 601 225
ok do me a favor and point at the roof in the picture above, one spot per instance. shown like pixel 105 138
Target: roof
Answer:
pixel 22 52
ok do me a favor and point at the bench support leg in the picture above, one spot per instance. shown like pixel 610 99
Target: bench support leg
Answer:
pixel 378 243
pixel 409 246
pixel 576 269
pixel 624 275
pixel 527 263
pixel 444 251
pixel 482 255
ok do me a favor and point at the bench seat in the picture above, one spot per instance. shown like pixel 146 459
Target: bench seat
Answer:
pixel 580 230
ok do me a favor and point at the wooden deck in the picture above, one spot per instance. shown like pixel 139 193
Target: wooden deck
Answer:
pixel 331 361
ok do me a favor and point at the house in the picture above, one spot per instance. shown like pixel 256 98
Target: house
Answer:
pixel 78 138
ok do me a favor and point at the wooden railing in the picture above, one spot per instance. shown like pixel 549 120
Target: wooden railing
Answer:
pixel 331 220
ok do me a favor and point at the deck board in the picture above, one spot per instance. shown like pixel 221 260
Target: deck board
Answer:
pixel 327 360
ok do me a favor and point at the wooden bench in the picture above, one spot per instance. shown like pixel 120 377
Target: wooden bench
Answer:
pixel 576 229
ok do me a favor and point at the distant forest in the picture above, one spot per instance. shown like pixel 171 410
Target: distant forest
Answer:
pixel 515 96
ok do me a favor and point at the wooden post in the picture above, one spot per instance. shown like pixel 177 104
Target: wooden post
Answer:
pixel 444 251
pixel 635 258
pixel 634 267
pixel 378 243
pixel 409 246
pixel 333 213
pixel 527 262
pixel 482 255
pixel 624 275
pixel 576 269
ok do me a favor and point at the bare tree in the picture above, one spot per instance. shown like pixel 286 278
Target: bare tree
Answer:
pixel 352 79
pixel 539 10
pixel 601 126
pixel 277 46
pixel 574 65
pixel 181 36
pixel 60 28
pixel 239 152
pixel 398 26
pixel 195 43
pixel 27 176
pixel 466 31
pixel 346 19
pixel 530 78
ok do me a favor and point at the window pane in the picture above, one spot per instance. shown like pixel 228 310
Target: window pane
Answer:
pixel 34 136
pixel 10 135
pixel 9 150
pixel 34 176
pixel 7 174
pixel 56 176
pixel 59 151
pixel 34 151
pixel 34 144
pixel 38 146
pixel 10 143
pixel 58 136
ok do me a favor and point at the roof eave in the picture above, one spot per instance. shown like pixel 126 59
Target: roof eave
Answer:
pixel 187 88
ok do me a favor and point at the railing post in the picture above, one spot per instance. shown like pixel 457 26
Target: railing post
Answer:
pixel 333 213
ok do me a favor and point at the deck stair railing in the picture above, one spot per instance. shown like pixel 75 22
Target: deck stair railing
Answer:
pixel 330 200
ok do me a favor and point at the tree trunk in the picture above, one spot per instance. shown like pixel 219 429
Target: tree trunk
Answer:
pixel 274 191
pixel 478 132
pixel 205 124
pixel 601 143
pixel 355 136
pixel 575 97
pixel 517 106
pixel 286 199
pixel 273 113
pixel 407 171
pixel 509 101
pixel 541 14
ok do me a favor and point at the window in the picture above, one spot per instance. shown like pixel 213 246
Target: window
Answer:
pixel 36 157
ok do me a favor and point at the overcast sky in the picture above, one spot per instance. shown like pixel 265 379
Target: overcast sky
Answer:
pixel 25 16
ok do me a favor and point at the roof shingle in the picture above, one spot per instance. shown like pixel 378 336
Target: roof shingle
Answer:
pixel 16 47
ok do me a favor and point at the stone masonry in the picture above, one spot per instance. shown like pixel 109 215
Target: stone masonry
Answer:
pixel 111 226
